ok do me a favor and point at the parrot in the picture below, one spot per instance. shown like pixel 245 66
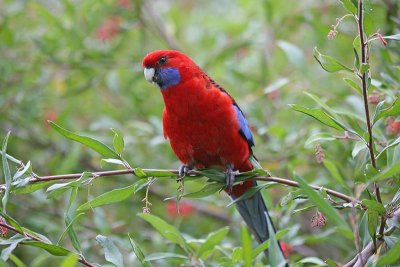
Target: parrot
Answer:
pixel 207 129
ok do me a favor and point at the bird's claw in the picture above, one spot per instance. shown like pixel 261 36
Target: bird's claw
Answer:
pixel 182 172
pixel 230 177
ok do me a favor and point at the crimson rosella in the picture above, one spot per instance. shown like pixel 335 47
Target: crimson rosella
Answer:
pixel 206 128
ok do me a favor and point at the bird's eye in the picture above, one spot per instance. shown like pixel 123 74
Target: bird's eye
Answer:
pixel 162 60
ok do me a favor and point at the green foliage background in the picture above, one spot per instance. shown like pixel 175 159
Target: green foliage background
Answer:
pixel 53 66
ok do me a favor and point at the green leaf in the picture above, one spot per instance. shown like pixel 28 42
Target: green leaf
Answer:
pixel 213 174
pixel 333 170
pixel 96 145
pixel 392 37
pixel 322 204
pixel 250 192
pixel 372 224
pixel 52 249
pixel 71 231
pixel 164 255
pixel 358 147
pixel 364 68
pixel 13 243
pixel 246 245
pixel 294 54
pixel 322 103
pixel 349 6
pixel 275 255
pixel 363 229
pixel 393 110
pixel 70 261
pixel 118 141
pixel 353 85
pixel 394 143
pixel 265 245
pixel 138 252
pixel 29 188
pixel 388 172
pixel 213 239
pixel 319 115
pixel 166 230
pixel 312 261
pixel 208 189
pixel 27 169
pixel 391 257
pixel 111 252
pixel 374 205
pixel 116 195
pixel 317 138
pixel 6 171
pixel 11 222
pixel 329 63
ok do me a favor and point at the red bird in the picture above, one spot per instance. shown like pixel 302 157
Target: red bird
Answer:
pixel 206 128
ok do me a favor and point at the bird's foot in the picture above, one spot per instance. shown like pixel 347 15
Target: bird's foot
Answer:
pixel 182 172
pixel 230 177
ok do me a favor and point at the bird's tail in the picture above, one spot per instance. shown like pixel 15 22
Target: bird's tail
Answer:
pixel 255 214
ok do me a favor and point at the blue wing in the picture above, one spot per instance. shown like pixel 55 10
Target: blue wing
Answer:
pixel 244 126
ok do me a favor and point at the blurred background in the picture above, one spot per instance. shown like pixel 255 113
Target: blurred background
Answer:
pixel 78 63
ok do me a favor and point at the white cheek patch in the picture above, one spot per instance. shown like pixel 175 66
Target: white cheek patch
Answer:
pixel 149 74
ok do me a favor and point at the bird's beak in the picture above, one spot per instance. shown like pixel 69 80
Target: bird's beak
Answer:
pixel 149 74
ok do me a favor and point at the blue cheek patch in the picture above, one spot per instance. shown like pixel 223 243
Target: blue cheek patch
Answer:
pixel 169 77
pixel 244 126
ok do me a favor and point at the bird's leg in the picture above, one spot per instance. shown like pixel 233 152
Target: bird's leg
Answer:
pixel 229 177
pixel 182 172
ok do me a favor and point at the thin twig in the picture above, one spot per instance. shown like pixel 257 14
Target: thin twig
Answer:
pixel 81 259
pixel 364 77
pixel 41 179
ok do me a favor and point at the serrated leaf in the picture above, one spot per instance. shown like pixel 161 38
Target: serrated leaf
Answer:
pixel 166 230
pixel 212 240
pixel 6 172
pixel 94 144
pixel 393 110
pixel 138 252
pixel 52 249
pixel 329 63
pixel 391 257
pixel 113 196
pixel 118 141
pixel 164 255
pixel 321 203
pixel 111 252
pixel 319 115
pixel 208 189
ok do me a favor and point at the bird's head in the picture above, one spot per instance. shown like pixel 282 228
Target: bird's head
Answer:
pixel 166 68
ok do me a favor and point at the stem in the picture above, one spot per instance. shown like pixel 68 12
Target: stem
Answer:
pixel 41 179
pixel 81 259
pixel 364 50
pixel 364 60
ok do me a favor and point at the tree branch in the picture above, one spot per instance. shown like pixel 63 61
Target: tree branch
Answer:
pixel 81 259
pixel 154 172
